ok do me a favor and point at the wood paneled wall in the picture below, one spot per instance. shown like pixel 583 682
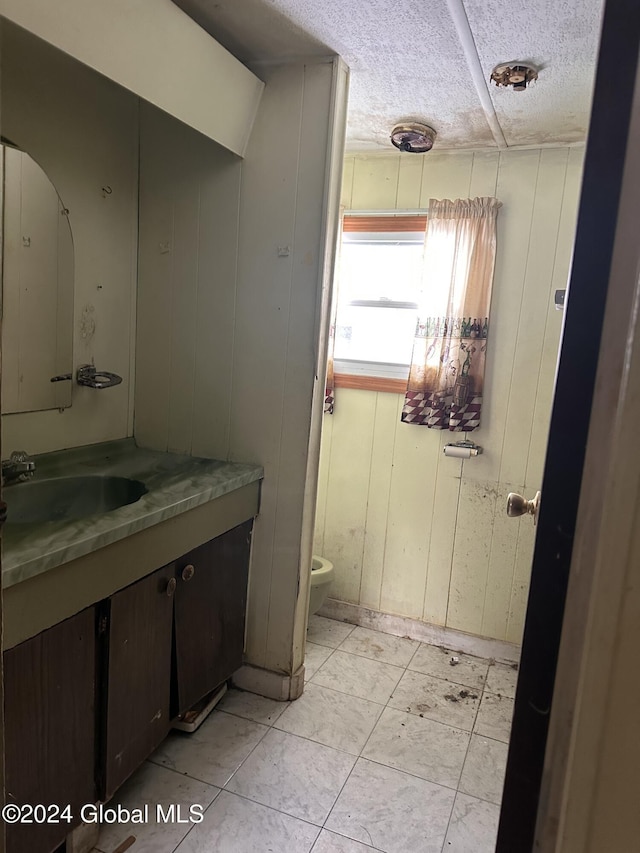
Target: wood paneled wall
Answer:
pixel 410 531
pixel 189 208
pixel 232 259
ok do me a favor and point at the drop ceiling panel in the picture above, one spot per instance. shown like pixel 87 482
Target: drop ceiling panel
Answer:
pixel 558 36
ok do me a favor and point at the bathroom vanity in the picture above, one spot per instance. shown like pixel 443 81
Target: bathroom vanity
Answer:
pixel 117 622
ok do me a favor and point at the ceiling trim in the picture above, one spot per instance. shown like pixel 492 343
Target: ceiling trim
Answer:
pixel 467 42
pixel 525 146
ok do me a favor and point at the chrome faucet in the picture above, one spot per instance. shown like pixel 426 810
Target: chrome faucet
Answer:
pixel 17 468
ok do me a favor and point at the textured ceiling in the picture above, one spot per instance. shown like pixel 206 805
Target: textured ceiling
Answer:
pixel 561 38
pixel 407 61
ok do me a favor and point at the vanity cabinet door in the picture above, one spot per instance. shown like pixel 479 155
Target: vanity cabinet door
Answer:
pixel 137 675
pixel 50 688
pixel 210 606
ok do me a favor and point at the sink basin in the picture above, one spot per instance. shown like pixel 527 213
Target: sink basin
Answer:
pixel 69 498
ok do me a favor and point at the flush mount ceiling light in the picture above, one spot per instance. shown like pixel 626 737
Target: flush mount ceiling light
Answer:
pixel 413 137
pixel 518 75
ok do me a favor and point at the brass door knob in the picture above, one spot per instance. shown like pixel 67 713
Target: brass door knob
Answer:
pixel 171 586
pixel 188 572
pixel 518 505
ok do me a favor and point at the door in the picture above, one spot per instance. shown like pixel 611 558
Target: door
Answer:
pixel 211 600
pixel 137 633
pixel 50 728
pixel 607 147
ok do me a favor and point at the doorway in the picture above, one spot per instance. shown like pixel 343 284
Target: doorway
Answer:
pixel 367 589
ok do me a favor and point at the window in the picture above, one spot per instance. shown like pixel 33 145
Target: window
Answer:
pixel 379 280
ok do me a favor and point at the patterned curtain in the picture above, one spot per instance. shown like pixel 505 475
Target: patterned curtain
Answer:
pixel 329 389
pixel 446 378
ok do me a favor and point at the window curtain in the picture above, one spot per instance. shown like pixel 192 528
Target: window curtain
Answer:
pixel 446 376
pixel 329 387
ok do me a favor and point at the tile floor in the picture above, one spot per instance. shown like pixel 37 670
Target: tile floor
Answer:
pixel 391 748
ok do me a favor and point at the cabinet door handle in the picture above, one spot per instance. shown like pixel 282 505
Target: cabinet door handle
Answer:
pixel 188 572
pixel 171 586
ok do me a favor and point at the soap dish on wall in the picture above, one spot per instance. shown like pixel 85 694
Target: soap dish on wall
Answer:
pixel 90 377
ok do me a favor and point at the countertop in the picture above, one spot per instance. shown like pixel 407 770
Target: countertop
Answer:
pixel 175 484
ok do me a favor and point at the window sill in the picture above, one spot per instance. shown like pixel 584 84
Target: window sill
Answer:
pixel 361 382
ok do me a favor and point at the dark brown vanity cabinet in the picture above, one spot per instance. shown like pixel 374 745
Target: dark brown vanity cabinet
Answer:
pixel 183 625
pixel 135 636
pixel 87 701
pixel 210 604
pixel 50 692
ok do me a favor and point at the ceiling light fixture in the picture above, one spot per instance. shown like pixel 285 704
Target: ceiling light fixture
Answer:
pixel 413 137
pixel 518 75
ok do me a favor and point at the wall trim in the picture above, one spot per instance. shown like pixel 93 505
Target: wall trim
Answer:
pixel 415 629
pixel 273 685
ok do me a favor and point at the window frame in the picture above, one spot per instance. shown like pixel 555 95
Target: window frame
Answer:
pixel 383 376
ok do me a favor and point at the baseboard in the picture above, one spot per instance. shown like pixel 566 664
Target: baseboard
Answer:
pixel 273 685
pixel 403 626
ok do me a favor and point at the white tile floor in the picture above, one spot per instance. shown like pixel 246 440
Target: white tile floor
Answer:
pixel 390 749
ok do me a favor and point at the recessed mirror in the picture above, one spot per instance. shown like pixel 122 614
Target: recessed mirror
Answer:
pixel 37 288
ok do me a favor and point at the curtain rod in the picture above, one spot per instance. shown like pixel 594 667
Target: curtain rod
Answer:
pixel 418 211
pixel 409 211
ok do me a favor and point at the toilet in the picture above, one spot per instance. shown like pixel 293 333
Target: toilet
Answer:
pixel 321 579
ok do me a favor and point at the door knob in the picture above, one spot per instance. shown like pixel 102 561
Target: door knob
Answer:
pixel 171 587
pixel 517 505
pixel 188 572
